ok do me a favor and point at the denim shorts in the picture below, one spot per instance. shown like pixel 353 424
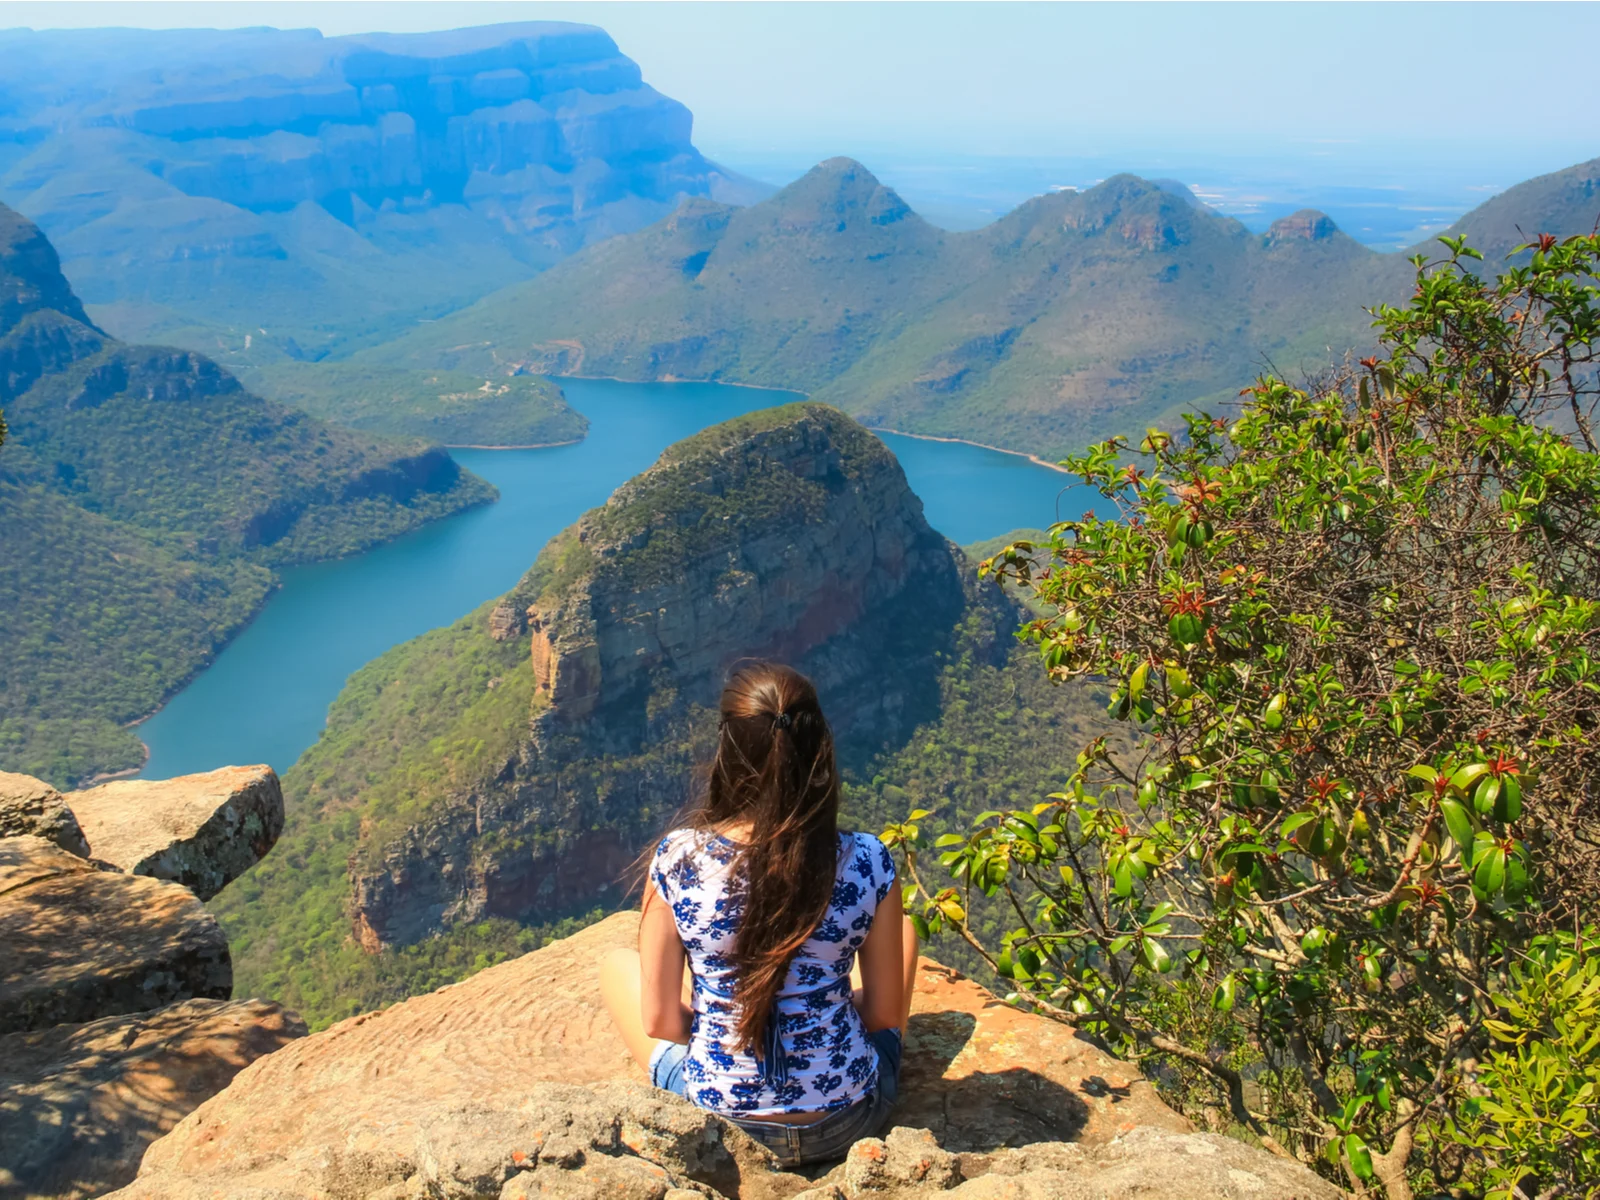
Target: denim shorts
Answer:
pixel 829 1138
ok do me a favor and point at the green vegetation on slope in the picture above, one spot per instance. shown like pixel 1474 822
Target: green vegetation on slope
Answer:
pixel 1120 304
pixel 73 674
pixel 989 547
pixel 430 715
pixel 454 408
pixel 146 495
pixel 1072 315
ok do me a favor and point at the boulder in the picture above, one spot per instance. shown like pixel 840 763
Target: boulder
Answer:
pixel 514 1083
pixel 32 806
pixel 80 1103
pixel 78 943
pixel 202 831
pixel 979 1073
pixel 1150 1163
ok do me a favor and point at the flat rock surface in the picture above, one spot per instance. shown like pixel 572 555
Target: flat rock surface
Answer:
pixel 202 831
pixel 80 1103
pixel 32 806
pixel 399 1084
pixel 77 943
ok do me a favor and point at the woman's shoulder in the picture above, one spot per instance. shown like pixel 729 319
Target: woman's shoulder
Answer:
pixel 871 858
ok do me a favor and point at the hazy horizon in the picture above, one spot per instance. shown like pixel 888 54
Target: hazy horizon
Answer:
pixel 969 108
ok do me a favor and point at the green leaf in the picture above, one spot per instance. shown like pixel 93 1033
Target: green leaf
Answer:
pixel 1360 1157
pixel 1222 998
pixel 1295 820
pixel 1459 824
pixel 1485 795
pixel 1155 955
pixel 1136 682
pixel 1122 876
pixel 1490 873
pixel 1509 807
pixel 1516 877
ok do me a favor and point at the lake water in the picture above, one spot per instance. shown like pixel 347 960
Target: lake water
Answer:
pixel 266 697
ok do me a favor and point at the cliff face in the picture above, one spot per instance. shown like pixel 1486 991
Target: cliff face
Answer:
pixel 456 161
pixel 790 534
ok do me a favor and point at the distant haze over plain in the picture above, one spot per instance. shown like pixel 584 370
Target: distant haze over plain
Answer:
pixel 1395 118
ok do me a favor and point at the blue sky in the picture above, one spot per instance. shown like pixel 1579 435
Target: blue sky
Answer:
pixel 1075 79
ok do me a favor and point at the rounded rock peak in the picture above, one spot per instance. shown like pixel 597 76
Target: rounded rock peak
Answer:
pixel 1307 225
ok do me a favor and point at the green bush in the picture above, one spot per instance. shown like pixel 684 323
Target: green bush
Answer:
pixel 1538 1126
pixel 1357 626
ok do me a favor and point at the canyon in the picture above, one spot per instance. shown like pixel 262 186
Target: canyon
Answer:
pixel 789 533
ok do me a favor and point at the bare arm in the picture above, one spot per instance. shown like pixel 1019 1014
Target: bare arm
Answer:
pixel 882 998
pixel 661 971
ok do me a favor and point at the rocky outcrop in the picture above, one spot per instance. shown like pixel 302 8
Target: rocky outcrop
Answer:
pixel 514 1084
pixel 202 831
pixel 1307 225
pixel 790 533
pixel 114 979
pixel 31 806
pixel 79 1104
pixel 82 943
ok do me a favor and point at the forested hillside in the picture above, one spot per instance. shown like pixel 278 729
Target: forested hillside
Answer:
pixel 456 408
pixel 1077 315
pixel 146 497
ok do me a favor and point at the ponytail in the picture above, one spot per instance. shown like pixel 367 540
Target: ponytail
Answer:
pixel 775 769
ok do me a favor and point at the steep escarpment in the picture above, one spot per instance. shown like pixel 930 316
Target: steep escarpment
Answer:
pixel 270 187
pixel 489 780
pixel 790 534
pixel 147 497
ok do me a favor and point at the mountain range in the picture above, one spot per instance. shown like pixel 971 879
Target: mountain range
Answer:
pixel 209 186
pixel 146 499
pixel 1076 316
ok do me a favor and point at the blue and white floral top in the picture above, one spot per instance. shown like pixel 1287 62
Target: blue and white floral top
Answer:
pixel 828 1063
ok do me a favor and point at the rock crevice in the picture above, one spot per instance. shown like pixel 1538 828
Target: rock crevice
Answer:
pixel 115 1018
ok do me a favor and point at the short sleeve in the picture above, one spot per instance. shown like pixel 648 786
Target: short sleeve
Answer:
pixel 660 869
pixel 874 856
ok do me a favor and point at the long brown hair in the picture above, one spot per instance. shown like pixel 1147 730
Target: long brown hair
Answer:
pixel 774 768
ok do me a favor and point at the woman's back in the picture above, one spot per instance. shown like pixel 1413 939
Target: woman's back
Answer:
pixel 817 1056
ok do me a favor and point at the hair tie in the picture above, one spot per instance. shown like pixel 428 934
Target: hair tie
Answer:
pixel 783 720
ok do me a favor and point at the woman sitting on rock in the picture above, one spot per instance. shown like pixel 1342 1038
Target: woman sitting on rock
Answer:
pixel 801 964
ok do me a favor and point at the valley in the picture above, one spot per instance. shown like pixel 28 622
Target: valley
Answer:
pixel 266 696
pixel 148 500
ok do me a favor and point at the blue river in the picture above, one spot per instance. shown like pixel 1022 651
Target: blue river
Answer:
pixel 266 697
